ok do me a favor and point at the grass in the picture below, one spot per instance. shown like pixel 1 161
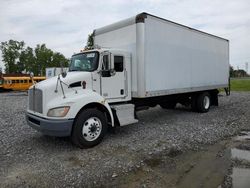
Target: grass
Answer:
pixel 238 84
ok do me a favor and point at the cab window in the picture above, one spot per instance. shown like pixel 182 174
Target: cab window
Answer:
pixel 84 62
pixel 118 63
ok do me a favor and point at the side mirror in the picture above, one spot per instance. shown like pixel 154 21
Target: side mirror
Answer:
pixel 105 73
pixel 64 74
pixel 31 75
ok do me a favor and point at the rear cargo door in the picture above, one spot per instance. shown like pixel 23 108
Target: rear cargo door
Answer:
pixel 113 85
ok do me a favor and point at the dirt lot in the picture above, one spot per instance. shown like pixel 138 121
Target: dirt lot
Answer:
pixel 160 150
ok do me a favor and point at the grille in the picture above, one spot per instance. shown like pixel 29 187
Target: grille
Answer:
pixel 36 100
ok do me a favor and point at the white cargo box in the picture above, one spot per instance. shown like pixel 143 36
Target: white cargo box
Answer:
pixel 168 58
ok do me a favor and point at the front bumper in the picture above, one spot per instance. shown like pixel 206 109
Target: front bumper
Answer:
pixel 50 127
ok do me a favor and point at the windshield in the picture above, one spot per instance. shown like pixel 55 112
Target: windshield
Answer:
pixel 84 62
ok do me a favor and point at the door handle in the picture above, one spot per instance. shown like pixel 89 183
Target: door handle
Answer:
pixel 122 91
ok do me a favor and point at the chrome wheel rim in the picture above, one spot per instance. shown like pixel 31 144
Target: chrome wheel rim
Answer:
pixel 206 102
pixel 91 129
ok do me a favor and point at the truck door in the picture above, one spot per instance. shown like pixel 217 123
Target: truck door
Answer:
pixel 113 76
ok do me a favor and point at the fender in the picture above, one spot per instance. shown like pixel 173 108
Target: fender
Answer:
pixel 78 101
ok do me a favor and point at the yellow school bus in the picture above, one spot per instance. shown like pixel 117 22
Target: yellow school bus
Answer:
pixel 1 83
pixel 19 82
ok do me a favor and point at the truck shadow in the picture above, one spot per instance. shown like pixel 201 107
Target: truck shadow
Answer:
pixel 52 143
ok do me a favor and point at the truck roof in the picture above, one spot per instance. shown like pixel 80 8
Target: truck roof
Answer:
pixel 140 18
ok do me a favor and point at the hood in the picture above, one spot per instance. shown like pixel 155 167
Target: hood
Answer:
pixel 73 79
pixel 51 88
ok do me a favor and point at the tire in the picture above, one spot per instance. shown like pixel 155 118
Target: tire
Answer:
pixel 89 128
pixel 168 105
pixel 203 102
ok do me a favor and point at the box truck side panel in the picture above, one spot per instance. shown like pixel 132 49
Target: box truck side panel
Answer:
pixel 123 38
pixel 210 61
pixel 179 59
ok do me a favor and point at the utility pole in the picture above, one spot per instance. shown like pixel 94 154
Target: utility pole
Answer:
pixel 246 67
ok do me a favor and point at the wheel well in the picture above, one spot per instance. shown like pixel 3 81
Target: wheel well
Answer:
pixel 213 94
pixel 214 97
pixel 99 107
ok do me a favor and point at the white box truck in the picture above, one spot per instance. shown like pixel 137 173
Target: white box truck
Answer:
pixel 139 62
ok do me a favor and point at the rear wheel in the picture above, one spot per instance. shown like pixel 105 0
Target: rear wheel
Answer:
pixel 89 128
pixel 203 102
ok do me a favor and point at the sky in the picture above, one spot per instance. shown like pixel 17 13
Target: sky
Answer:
pixel 64 25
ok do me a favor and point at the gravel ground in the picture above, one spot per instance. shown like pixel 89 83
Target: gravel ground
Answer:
pixel 30 159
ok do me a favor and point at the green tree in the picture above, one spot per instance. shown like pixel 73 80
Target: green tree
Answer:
pixel 17 58
pixel 27 58
pixel 231 71
pixel 59 60
pixel 43 57
pixel 90 41
pixel 11 51
pixel 240 73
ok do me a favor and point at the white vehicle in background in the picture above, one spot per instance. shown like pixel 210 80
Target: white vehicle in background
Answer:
pixel 55 71
pixel 142 61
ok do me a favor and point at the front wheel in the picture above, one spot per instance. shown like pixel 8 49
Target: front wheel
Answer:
pixel 89 128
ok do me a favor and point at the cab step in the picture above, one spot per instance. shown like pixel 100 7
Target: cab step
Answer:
pixel 125 113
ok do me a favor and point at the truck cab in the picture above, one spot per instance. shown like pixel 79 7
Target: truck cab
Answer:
pixel 110 72
pixel 83 102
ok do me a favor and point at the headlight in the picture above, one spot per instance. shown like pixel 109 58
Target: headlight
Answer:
pixel 58 112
